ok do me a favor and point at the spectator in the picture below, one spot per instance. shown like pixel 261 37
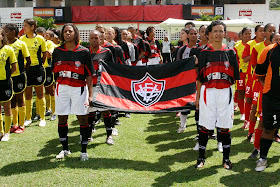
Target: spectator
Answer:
pixel 166 52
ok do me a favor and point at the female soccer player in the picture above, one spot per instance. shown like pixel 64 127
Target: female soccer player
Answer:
pixel 8 66
pixel 18 77
pixel 73 72
pixel 155 56
pixel 36 74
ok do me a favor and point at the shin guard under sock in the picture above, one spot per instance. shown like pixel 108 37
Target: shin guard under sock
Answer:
pixel 48 101
pixel 28 106
pixel 247 110
pixel 258 134
pixel 21 115
pixel 42 108
pixel 85 132
pixel 226 141
pixel 252 125
pixel 241 106
pixel 53 104
pixel 63 135
pixel 202 140
pixel 108 124
pixel 15 116
pixel 1 124
pixel 265 145
pixel 8 123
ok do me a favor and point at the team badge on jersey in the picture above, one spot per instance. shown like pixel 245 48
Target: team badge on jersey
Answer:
pixel 20 86
pixel 8 93
pixel 147 91
pixel 78 64
pixel 39 79
pixel 226 63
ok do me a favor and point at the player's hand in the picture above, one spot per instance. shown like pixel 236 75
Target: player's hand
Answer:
pixel 90 99
pixel 196 104
pixel 196 59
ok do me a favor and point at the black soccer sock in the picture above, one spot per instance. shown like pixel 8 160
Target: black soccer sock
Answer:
pixel 108 124
pixel 114 116
pixel 265 145
pixel 85 132
pixel 202 140
pixel 63 135
pixel 219 139
pixel 91 119
pixel 98 116
pixel 226 141
pixel 276 133
pixel 196 116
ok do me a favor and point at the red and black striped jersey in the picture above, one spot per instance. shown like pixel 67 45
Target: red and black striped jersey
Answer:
pixel 147 53
pixel 119 58
pixel 155 48
pixel 218 68
pixel 138 41
pixel 103 54
pixel 72 67
pixel 125 49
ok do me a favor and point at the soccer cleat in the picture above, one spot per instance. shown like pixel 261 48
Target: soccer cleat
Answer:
pixel 261 164
pixel 127 115
pixel 213 137
pixel 14 128
pixel 178 114
pixel 246 125
pixel 84 157
pixel 37 117
pixel 20 130
pixel 242 117
pixel 115 132
pixel 117 122
pixel 93 130
pixel 254 154
pixel 62 154
pixel 27 122
pixel 200 163
pixel 220 147
pixel 42 123
pixel 250 137
pixel 196 147
pixel 48 113
pixel 1 135
pixel 235 107
pixel 109 140
pixel 181 129
pixel 196 137
pixel 53 117
pixel 90 139
pixel 6 137
pixel 97 122
pixel 227 164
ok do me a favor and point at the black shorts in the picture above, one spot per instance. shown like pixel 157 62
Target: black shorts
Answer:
pixel 19 83
pixel 271 113
pixel 36 75
pixel 6 90
pixel 49 77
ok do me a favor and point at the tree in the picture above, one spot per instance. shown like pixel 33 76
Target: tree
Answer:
pixel 46 23
pixel 204 17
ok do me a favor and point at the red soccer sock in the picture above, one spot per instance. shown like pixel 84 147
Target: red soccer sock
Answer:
pixel 241 106
pixel 235 97
pixel 258 134
pixel 247 110
pixel 252 125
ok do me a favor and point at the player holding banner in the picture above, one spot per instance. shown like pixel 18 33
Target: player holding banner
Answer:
pixel 218 70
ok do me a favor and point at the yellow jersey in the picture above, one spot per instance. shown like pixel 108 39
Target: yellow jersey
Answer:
pixel 7 58
pixel 50 48
pixel 36 46
pixel 21 52
pixel 239 48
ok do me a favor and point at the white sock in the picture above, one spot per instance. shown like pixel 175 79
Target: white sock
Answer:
pixel 183 120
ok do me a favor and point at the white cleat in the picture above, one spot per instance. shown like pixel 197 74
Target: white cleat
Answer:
pixel 53 117
pixel 42 123
pixel 181 130
pixel 115 132
pixel 220 147
pixel 261 164
pixel 62 154
pixel 196 147
pixel 27 122
pixel 84 157
pixel 6 137
pixel 109 140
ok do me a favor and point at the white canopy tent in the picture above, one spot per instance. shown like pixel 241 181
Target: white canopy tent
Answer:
pixel 175 25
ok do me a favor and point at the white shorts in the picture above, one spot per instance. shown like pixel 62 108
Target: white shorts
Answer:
pixel 71 100
pixel 153 61
pixel 216 108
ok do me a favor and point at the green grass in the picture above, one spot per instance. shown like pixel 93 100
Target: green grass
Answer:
pixel 147 152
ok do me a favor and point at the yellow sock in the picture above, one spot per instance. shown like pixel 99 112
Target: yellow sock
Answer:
pixel 37 106
pixel 48 101
pixel 8 123
pixel 53 104
pixel 15 116
pixel 1 124
pixel 42 108
pixel 28 109
pixel 21 114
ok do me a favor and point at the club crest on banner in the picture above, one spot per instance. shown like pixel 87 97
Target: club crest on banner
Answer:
pixel 147 91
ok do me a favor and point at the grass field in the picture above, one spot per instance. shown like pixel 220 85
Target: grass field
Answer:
pixel 147 152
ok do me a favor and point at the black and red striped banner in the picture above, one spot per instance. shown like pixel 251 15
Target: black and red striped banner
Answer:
pixel 146 89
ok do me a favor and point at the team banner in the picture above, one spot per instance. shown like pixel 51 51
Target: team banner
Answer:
pixel 146 89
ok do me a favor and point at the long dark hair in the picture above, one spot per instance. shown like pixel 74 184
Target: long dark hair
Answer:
pixel 31 22
pixel 77 35
pixel 118 37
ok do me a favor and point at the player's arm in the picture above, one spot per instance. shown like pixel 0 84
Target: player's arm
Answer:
pixel 26 55
pixel 13 61
pixel 142 49
pixel 234 62
pixel 254 57
pixel 44 50
pixel 198 88
pixel 89 70
pixel 262 65
pixel 246 56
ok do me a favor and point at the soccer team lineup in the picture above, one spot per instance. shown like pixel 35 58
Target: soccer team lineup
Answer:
pixel 127 71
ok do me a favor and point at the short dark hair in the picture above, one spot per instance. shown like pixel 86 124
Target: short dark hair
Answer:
pixel 56 32
pixel 142 33
pixel 12 27
pixel 31 22
pixel 245 29
pixel 257 27
pixel 267 26
pixel 4 36
pixel 201 27
pixel 51 33
pixel 40 30
pixel 149 30
pixel 190 23
pixel 77 35
pixel 215 23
